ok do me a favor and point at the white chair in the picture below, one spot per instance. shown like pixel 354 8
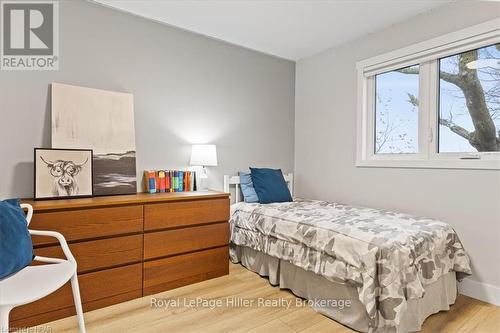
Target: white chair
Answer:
pixel 35 282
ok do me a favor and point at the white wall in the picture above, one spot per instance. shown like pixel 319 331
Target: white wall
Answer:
pixel 187 89
pixel 325 146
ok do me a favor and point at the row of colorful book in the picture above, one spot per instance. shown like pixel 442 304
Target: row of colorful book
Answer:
pixel 161 181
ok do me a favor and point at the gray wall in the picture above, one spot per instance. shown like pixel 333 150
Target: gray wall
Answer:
pixel 187 89
pixel 325 143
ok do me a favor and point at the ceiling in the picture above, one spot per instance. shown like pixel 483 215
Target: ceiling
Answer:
pixel 287 29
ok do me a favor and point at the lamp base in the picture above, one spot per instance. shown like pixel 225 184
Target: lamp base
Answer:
pixel 202 181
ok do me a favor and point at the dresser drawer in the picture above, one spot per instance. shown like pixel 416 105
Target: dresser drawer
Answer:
pixel 169 242
pixel 100 254
pixel 181 270
pixel 88 223
pixel 93 286
pixel 175 214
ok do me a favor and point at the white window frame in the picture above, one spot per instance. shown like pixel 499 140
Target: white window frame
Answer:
pixel 426 54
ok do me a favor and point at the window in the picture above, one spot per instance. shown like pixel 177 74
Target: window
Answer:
pixel 469 101
pixel 396 112
pixel 434 104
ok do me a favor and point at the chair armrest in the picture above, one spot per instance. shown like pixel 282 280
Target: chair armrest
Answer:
pixel 50 260
pixel 61 240
pixel 29 214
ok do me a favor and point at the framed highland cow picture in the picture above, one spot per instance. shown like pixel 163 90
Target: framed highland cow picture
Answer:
pixel 63 173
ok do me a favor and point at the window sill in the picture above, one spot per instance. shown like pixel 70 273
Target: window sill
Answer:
pixel 486 164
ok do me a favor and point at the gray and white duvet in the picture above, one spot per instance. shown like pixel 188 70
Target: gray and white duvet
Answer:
pixel 389 257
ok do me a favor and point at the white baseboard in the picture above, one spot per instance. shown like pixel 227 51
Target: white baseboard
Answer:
pixel 481 291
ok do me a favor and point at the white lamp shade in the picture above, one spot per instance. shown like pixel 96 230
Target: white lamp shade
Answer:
pixel 203 155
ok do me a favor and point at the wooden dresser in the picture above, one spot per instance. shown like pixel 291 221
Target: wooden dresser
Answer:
pixel 130 246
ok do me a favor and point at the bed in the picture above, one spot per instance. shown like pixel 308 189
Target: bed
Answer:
pixel 393 269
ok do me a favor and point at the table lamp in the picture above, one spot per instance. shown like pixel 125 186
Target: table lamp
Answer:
pixel 203 156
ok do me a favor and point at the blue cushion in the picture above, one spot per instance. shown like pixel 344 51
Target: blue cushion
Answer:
pixel 16 249
pixel 247 189
pixel 270 185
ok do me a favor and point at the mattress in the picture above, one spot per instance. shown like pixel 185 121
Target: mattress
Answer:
pixel 327 295
pixel 389 258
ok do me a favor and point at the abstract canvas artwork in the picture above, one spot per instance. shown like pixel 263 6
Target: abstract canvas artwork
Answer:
pixel 63 173
pixel 103 121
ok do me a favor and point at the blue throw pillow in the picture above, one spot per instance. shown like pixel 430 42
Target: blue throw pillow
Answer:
pixel 270 185
pixel 16 249
pixel 247 189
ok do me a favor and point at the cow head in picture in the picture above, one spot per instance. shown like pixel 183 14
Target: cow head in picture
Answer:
pixel 64 173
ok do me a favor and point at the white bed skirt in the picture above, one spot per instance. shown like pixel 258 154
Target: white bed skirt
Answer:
pixel 310 286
